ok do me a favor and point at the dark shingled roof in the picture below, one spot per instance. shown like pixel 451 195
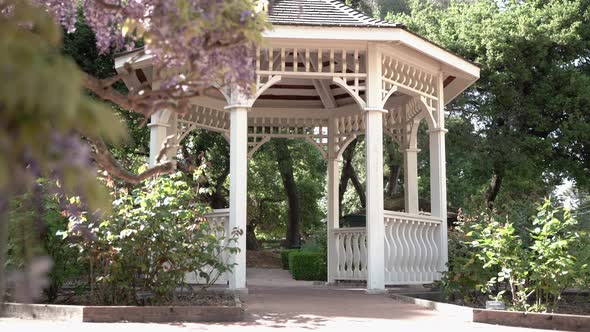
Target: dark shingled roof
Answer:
pixel 321 13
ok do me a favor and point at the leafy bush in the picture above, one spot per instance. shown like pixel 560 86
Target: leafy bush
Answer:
pixel 285 257
pixel 154 235
pixel 528 262
pixel 318 241
pixel 306 265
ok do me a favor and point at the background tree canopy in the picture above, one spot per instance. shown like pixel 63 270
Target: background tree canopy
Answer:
pixel 524 127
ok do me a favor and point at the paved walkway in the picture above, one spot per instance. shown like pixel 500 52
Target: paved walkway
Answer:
pixel 278 303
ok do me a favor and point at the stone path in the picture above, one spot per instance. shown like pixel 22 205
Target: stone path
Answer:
pixel 278 303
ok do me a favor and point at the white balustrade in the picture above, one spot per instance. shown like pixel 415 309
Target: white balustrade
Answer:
pixel 351 253
pixel 412 250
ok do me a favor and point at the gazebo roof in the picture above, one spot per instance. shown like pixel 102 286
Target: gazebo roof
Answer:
pixel 321 13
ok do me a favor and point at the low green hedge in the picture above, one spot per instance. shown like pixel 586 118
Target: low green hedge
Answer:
pixel 285 257
pixel 306 265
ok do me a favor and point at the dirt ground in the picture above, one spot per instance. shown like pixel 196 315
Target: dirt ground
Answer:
pixel 263 259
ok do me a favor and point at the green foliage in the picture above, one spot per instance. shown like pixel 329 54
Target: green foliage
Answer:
pixel 285 257
pixel 528 261
pixel 154 236
pixel 27 239
pixel 525 120
pixel 317 241
pixel 44 99
pixel 267 201
pixel 307 265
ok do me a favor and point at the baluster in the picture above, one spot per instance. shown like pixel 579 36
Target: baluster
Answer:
pixel 407 251
pixel 432 247
pixel 343 254
pixel 349 256
pixel 421 267
pixel 283 60
pixel 400 253
pixel 388 248
pixel 417 251
pixel 307 60
pixel 364 253
pixel 356 70
pixel 343 67
pixel 331 60
pixel 320 66
pixel 356 254
pixel 295 60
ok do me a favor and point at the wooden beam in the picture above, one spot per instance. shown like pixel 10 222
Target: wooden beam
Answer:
pixel 325 93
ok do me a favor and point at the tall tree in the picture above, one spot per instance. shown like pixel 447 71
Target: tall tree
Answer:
pixel 285 163
pixel 527 116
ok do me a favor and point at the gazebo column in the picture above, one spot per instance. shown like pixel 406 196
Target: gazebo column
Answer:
pixel 160 129
pixel 438 174
pixel 238 169
pixel 374 168
pixel 333 196
pixel 411 199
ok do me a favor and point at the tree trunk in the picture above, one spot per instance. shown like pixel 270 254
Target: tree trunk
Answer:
pixel 3 246
pixel 392 182
pixel 358 186
pixel 349 173
pixel 493 189
pixel 285 163
pixel 251 240
pixel 218 199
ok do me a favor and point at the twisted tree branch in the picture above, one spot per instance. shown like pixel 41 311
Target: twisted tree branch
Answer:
pixel 104 158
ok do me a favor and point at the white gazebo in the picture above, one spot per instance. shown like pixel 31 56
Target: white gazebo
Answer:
pixel 326 74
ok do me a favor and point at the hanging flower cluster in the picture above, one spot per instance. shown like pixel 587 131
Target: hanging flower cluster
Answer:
pixel 193 44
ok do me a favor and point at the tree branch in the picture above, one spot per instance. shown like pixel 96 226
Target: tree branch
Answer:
pixel 109 163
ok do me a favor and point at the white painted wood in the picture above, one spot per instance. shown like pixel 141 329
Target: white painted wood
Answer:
pixel 411 180
pixel 216 218
pixel 350 253
pixel 438 178
pixel 333 220
pixel 334 35
pixel 158 134
pixel 411 251
pixel 412 239
pixel 238 162
pixel 374 169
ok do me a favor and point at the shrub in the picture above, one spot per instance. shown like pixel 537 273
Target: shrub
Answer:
pixel 154 235
pixel 306 265
pixel 285 257
pixel 318 241
pixel 529 262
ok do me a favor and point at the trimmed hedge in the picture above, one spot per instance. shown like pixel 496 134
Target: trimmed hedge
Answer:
pixel 285 257
pixel 306 265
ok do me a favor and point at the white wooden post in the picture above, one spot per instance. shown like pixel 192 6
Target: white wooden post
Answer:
pixel 333 221
pixel 411 198
pixel 410 152
pixel 159 130
pixel 438 173
pixel 374 166
pixel 238 169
